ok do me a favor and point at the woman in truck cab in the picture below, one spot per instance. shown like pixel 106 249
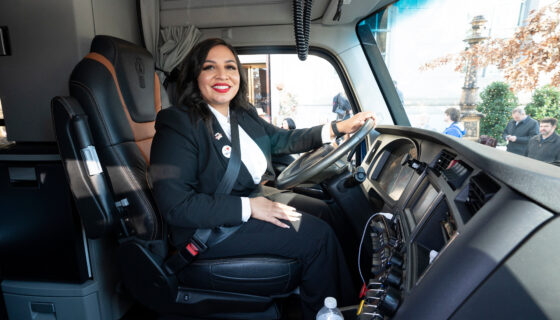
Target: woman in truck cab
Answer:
pixel 189 157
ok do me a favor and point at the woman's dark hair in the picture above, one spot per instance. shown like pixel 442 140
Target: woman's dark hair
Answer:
pixel 190 99
pixel 291 123
pixel 453 113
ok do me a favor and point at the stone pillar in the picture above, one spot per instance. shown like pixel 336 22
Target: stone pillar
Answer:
pixel 469 96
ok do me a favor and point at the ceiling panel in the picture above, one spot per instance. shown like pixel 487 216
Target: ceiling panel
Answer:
pixel 232 13
pixel 193 4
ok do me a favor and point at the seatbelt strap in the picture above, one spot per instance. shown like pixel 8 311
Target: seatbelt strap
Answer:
pixel 204 238
pixel 214 236
pixel 228 180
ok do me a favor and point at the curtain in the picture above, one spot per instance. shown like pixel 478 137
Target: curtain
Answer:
pixel 176 43
pixel 169 45
pixel 149 13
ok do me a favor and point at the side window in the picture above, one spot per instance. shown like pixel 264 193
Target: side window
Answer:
pixel 282 87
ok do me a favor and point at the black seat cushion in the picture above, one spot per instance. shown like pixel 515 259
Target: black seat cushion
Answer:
pixel 257 275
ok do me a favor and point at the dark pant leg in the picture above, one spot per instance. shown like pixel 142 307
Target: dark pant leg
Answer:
pixel 309 240
pixel 333 216
pixel 315 207
pixel 302 203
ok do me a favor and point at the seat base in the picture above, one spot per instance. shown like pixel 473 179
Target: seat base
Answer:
pixel 156 289
pixel 139 311
pixel 268 276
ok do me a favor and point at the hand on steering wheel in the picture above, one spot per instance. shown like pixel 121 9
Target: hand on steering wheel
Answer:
pixel 314 162
pixel 354 123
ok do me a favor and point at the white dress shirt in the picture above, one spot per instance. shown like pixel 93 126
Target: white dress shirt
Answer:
pixel 252 156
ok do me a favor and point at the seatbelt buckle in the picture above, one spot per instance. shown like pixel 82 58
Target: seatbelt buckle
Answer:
pixel 185 256
pixel 192 249
pixel 196 246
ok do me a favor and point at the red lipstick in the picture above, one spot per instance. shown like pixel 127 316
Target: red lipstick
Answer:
pixel 221 87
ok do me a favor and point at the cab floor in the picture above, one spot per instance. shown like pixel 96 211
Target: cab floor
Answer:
pixel 290 311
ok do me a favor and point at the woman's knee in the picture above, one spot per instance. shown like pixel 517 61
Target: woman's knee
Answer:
pixel 317 229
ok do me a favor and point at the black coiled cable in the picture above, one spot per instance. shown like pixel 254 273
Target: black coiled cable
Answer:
pixel 302 26
pixel 307 22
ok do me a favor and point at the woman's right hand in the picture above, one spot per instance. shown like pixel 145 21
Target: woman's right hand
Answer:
pixel 270 211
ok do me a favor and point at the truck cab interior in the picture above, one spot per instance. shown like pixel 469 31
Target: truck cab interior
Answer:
pixel 434 227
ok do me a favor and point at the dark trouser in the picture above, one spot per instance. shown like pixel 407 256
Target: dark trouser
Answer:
pixel 310 240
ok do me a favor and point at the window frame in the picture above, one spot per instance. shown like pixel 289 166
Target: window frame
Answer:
pixel 381 72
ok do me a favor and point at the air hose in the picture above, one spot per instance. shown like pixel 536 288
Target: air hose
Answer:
pixel 302 28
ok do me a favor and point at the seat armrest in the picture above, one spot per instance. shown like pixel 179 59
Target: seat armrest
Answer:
pixel 89 186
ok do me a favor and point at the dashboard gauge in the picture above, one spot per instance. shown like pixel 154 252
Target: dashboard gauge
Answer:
pixel 394 177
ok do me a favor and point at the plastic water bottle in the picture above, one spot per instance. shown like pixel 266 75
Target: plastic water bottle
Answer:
pixel 329 311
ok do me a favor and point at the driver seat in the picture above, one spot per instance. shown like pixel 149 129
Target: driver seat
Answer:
pixel 104 132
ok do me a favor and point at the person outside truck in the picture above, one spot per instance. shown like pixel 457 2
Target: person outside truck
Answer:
pixel 546 145
pixel 519 130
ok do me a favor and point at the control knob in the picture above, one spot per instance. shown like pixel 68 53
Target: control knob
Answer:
pixel 390 301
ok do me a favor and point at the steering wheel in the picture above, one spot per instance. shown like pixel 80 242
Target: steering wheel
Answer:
pixel 314 162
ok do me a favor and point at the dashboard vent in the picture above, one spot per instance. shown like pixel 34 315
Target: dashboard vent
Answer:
pixel 481 190
pixel 443 160
pixel 456 173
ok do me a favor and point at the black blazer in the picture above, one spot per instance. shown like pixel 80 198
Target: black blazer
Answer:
pixel 187 165
pixel 524 131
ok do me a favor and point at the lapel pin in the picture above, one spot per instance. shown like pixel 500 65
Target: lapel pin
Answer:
pixel 218 136
pixel 226 151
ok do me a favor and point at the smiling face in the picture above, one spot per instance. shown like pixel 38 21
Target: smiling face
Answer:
pixel 218 80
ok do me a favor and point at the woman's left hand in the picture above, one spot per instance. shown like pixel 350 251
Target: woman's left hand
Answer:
pixel 356 122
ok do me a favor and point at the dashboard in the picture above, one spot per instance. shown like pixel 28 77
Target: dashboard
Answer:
pixel 461 219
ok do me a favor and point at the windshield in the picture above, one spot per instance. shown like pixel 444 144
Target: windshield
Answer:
pixel 484 70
